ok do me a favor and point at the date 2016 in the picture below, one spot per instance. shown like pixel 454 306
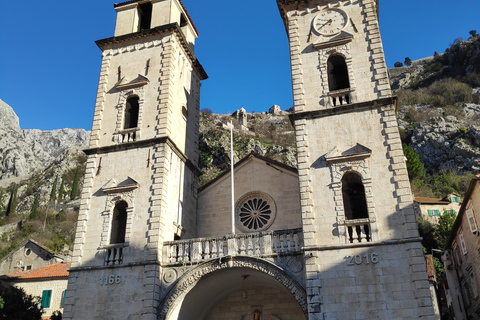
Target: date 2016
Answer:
pixel 358 259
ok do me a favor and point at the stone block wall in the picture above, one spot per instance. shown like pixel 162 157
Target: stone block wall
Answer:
pixel 379 281
pixel 214 202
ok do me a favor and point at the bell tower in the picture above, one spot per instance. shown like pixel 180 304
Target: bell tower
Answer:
pixel 363 253
pixel 140 183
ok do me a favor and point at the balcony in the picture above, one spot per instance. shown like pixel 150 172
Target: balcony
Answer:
pixel 126 135
pixel 357 230
pixel 113 254
pixel 340 97
pixel 260 244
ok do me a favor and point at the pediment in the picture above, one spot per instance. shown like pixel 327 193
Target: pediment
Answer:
pixel 354 153
pixel 342 38
pixel 126 185
pixel 124 83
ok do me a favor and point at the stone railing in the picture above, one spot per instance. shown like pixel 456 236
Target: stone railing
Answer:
pixel 267 243
pixel 126 135
pixel 358 230
pixel 113 254
pixel 340 97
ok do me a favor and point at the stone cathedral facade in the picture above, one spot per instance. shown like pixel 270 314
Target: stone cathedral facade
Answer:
pixel 334 239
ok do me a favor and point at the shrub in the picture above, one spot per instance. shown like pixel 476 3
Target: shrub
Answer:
pixel 414 166
pixel 398 64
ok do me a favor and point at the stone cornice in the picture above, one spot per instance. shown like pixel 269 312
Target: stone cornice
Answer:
pixel 145 143
pixel 106 43
pixel 344 109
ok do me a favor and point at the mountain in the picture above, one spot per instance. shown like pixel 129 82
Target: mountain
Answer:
pixel 24 152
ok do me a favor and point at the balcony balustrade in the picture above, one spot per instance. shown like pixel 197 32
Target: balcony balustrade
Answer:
pixel 259 244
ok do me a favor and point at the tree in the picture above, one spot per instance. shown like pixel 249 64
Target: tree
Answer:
pixel 442 231
pixel 34 210
pixel 19 305
pixel 53 194
pixel 76 179
pixel 408 61
pixel 414 166
pixel 61 190
pixel 56 315
pixel 473 33
pixel 398 64
pixel 12 203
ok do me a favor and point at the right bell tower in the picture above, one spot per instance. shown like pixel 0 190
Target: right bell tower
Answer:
pixel 363 253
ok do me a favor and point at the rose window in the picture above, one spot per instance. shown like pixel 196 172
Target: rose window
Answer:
pixel 255 211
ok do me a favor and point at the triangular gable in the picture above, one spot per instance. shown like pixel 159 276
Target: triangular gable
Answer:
pixel 342 38
pixel 126 185
pixel 354 153
pixel 33 243
pixel 137 82
pixel 251 156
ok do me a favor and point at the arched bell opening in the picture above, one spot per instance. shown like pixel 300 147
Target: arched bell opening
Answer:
pixel 240 291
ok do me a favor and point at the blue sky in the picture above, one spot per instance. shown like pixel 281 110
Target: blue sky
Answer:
pixel 49 63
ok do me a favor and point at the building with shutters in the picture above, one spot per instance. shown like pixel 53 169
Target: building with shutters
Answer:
pixel 49 283
pixel 462 258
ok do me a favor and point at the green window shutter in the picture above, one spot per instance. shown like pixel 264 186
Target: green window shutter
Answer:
pixel 458 199
pixel 430 213
pixel 64 294
pixel 451 199
pixel 454 213
pixel 46 297
pixel 438 213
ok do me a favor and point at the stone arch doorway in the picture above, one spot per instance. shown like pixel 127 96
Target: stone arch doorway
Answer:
pixel 238 288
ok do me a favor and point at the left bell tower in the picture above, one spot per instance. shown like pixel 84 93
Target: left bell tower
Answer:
pixel 140 183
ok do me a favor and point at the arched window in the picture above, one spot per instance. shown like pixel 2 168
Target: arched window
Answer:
pixel 131 113
pixel 337 73
pixel 354 200
pixel 119 223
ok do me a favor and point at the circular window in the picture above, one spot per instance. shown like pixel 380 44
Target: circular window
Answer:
pixel 28 251
pixel 255 211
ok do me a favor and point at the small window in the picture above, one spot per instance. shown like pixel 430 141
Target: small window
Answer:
pixel 28 251
pixel 119 223
pixel 471 221
pixel 354 200
pixel 337 73
pixel 145 15
pixel 131 113
pixel 462 243
pixel 46 297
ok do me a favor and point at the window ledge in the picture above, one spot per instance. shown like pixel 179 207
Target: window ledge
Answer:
pixel 114 246
pixel 129 130
pixel 350 222
pixel 340 92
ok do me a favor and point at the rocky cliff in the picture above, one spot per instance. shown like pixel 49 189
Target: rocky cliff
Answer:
pixel 23 152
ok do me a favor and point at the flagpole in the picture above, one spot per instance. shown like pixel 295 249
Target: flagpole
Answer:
pixel 231 173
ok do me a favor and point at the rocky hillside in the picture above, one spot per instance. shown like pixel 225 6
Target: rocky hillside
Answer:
pixel 23 152
pixel 439 108
pixel 267 133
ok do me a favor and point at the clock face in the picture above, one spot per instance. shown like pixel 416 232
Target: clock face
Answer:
pixel 330 22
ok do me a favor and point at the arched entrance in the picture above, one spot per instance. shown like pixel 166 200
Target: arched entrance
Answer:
pixel 232 289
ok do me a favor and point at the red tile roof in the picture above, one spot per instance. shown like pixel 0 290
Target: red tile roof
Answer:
pixel 57 270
